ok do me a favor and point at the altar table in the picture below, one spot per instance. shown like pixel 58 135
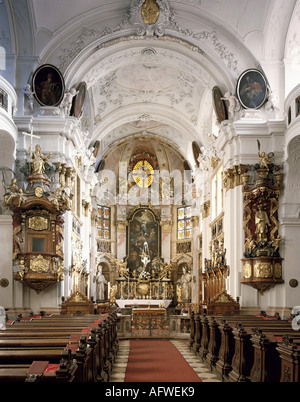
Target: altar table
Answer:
pixel 143 302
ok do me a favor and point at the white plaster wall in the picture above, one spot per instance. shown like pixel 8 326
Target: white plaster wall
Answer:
pixel 6 233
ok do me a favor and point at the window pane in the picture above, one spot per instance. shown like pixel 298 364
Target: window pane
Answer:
pixel 103 222
pixel 180 213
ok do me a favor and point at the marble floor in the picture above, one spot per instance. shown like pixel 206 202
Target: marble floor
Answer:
pixel 202 369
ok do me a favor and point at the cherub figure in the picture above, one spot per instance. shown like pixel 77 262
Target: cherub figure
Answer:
pixel 67 101
pixel 233 104
pixel 265 159
pixel 15 192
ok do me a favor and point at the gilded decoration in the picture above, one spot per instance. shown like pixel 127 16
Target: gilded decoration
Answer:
pixel 143 274
pixel 150 12
pixel 206 209
pixel 263 270
pixel 234 176
pixel 261 190
pixel 223 297
pixel 39 264
pixel 247 270
pixel 38 224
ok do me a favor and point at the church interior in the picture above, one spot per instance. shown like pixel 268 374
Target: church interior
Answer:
pixel 149 165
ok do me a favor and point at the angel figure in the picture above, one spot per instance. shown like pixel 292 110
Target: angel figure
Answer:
pixel 23 269
pixel 265 159
pixel 67 101
pixel 233 104
pixel 113 294
pixel 60 272
pixel 203 159
pixel 122 269
pixel 250 245
pixel 15 192
pixel 179 293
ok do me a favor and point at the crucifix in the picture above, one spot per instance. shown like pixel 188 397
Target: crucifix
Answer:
pixel 31 135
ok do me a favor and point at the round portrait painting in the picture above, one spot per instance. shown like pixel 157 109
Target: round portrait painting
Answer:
pixel 48 85
pixel 252 89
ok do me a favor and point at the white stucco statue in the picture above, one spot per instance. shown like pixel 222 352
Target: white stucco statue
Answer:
pixel 185 281
pixel 100 282
pixel 2 319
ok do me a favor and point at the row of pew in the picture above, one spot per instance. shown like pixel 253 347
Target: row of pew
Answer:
pixel 244 348
pixel 59 348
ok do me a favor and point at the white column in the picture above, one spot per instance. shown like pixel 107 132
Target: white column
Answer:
pixel 6 269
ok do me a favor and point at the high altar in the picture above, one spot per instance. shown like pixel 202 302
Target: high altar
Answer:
pixel 143 278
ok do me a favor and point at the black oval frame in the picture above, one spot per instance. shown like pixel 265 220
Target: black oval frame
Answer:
pixel 58 91
pixel 252 89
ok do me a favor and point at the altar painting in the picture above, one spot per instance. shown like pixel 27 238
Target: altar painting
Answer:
pixel 143 239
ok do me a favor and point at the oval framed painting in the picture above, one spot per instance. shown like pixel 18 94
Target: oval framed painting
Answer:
pixel 48 85
pixel 78 100
pixel 252 89
pixel 219 104
pixel 196 152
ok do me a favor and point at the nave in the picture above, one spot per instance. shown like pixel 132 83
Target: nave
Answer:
pixel 149 187
pixel 119 370
pixel 88 348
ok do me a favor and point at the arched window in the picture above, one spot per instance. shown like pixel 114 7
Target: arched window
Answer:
pixel 184 223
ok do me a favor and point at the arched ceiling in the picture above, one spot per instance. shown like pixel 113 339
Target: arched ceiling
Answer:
pixel 142 82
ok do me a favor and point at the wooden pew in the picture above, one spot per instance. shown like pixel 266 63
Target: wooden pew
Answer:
pixel 192 330
pixel 269 364
pixel 87 371
pixel 203 350
pixel 244 353
pixel 230 345
pixel 41 371
pixel 214 343
pixel 289 352
pixel 26 355
pixel 226 351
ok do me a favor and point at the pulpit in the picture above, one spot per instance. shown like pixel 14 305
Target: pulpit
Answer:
pixel 38 225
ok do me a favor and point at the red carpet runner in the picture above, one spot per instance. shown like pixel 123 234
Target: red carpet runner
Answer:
pixel 155 360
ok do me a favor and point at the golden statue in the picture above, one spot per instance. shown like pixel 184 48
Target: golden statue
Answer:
pixel 264 158
pixel 23 268
pixel 38 161
pixel 15 192
pixel 250 244
pixel 122 269
pixel 261 222
pixel 179 293
pixel 113 293
pixel 60 272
